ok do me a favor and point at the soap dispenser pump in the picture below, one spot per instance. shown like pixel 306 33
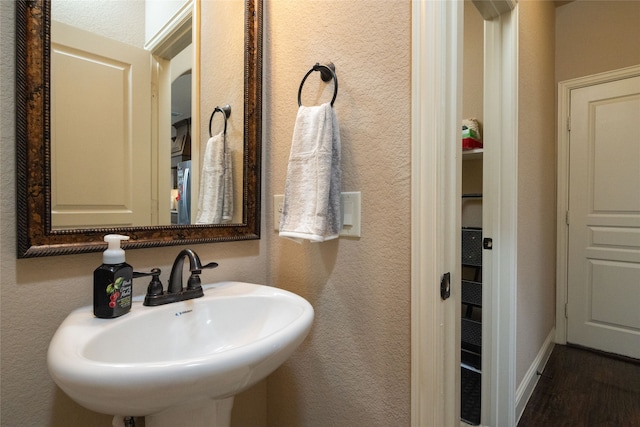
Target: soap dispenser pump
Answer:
pixel 112 281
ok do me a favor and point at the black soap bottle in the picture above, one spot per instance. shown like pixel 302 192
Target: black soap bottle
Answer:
pixel 112 281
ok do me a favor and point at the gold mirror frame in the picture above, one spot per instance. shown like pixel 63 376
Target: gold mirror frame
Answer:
pixel 35 236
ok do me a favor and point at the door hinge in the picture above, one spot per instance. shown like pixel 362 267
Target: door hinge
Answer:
pixel 566 311
pixel 569 124
pixel 566 217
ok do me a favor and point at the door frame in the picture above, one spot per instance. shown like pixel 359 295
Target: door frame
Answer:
pixel 500 220
pixel 562 245
pixel 162 47
pixel 437 29
pixel 435 206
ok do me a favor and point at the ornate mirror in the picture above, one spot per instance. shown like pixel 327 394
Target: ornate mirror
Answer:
pixel 55 129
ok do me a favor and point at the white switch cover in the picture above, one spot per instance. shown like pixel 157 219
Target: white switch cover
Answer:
pixel 350 207
pixel 349 204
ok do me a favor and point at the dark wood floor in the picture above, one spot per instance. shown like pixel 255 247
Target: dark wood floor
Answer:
pixel 583 389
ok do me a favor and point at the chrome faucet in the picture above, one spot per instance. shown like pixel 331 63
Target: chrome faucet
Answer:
pixel 175 290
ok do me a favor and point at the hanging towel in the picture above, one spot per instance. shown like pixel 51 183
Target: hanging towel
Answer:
pixel 227 197
pixel 311 207
pixel 215 202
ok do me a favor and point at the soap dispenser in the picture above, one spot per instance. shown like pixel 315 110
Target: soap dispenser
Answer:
pixel 112 281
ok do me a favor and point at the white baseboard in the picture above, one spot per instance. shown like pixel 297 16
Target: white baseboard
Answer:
pixel 530 380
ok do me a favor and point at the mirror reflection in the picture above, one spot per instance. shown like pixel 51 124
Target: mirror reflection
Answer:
pixel 221 149
pixel 105 171
pixel 133 88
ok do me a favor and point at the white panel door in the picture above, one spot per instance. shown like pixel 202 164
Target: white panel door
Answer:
pixel 100 131
pixel 604 218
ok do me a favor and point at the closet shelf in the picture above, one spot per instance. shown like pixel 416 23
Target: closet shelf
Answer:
pixel 476 153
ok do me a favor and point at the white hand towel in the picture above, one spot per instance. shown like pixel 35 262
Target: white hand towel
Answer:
pixel 215 201
pixel 227 197
pixel 311 208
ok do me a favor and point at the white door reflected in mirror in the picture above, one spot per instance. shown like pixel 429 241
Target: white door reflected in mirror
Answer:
pixel 118 128
pixel 100 130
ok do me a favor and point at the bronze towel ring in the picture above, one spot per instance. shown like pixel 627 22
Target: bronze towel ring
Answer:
pixel 327 73
pixel 226 112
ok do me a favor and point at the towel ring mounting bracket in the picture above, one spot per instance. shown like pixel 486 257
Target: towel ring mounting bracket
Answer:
pixel 226 112
pixel 327 73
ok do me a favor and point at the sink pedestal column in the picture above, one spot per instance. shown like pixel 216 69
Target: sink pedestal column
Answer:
pixel 202 413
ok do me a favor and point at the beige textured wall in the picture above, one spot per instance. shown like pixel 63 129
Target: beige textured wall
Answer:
pixel 36 294
pixel 113 20
pixel 596 36
pixel 473 72
pixel 354 368
pixel 536 181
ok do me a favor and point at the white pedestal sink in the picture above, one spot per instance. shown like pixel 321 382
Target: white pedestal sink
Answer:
pixel 180 363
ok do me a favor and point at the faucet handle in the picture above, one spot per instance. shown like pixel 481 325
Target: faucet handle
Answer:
pixel 155 285
pixel 210 265
pixel 153 272
pixel 194 282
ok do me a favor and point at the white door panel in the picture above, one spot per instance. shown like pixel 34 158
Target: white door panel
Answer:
pixel 604 218
pixel 614 302
pixel 615 160
pixel 100 131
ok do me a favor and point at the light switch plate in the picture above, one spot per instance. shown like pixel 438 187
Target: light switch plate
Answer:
pixel 350 206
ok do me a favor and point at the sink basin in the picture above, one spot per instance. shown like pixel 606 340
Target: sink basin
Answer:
pixel 157 358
